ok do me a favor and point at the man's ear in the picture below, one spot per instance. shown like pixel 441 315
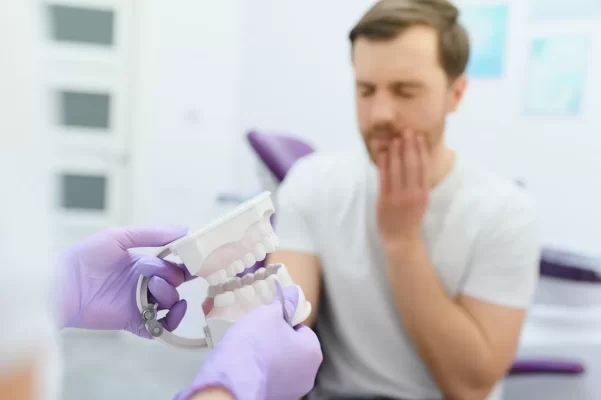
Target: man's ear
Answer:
pixel 456 91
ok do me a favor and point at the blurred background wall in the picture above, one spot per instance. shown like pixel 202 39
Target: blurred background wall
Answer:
pixel 146 104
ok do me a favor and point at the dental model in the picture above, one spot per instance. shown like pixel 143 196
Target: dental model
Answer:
pixel 217 253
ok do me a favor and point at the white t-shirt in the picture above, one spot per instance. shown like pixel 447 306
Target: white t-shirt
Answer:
pixel 481 237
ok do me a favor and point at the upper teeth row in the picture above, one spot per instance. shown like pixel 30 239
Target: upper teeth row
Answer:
pixel 252 289
pixel 258 253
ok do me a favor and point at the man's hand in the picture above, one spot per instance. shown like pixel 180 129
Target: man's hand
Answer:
pixel 99 277
pixel 404 188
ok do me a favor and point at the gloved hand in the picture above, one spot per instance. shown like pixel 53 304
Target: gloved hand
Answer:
pixel 98 278
pixel 261 357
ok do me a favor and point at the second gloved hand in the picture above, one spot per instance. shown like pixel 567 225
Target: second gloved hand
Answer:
pixel 98 278
pixel 261 357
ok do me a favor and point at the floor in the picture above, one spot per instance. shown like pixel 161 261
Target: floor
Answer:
pixel 101 366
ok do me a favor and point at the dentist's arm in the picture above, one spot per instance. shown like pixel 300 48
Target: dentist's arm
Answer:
pixel 28 348
pixel 19 382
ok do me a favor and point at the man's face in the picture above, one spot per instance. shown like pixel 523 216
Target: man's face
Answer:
pixel 400 84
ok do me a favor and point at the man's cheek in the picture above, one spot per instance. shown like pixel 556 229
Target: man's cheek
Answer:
pixel 424 119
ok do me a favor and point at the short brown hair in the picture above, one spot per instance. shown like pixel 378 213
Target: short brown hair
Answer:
pixel 388 18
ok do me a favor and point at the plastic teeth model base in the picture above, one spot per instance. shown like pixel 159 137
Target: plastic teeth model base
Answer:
pixel 217 253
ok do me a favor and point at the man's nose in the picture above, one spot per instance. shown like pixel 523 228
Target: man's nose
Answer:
pixel 383 109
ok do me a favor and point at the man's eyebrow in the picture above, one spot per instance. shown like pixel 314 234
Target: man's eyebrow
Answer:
pixel 401 84
pixel 364 83
pixel 408 84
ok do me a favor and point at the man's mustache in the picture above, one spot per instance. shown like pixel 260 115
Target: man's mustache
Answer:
pixel 384 132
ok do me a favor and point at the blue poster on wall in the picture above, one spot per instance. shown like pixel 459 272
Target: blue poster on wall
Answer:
pixel 487 29
pixel 541 9
pixel 556 75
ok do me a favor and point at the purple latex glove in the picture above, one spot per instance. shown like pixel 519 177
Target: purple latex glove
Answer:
pixel 99 275
pixel 261 357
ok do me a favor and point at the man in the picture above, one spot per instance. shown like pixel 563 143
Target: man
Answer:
pixel 420 264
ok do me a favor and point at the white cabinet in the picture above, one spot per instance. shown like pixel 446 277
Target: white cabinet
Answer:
pixel 85 71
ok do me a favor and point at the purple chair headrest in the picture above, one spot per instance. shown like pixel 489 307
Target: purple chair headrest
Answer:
pixel 560 264
pixel 278 152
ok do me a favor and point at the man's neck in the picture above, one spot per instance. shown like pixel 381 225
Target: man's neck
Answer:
pixel 443 159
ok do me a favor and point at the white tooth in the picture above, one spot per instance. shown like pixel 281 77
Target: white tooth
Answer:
pixel 259 252
pixel 262 290
pixel 247 297
pixel 284 277
pixel 274 239
pixel 260 274
pixel 265 226
pixel 271 279
pixel 217 277
pixel 248 279
pixel 238 266
pixel 256 234
pixel 213 279
pixel 260 287
pixel 231 271
pixel 225 299
pixel 241 294
pixel 214 291
pixel 232 284
pixel 269 246
pixel 223 276
pixel 217 289
pixel 249 260
pixel 228 287
pixel 247 291
pixel 271 269
pixel 302 311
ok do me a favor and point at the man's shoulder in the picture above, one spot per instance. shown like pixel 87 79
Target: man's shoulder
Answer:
pixel 329 161
pixel 496 196
pixel 327 169
pixel 320 180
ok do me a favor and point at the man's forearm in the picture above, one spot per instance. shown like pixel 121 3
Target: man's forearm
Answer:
pixel 447 338
pixel 213 394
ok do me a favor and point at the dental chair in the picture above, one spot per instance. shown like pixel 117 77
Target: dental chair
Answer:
pixel 565 321
pixel 534 367
pixel 278 152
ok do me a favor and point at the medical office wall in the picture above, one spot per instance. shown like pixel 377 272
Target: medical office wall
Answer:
pixel 530 112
